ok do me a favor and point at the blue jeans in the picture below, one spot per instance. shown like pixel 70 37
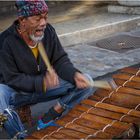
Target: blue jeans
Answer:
pixel 67 93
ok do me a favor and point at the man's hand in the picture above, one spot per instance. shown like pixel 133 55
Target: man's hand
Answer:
pixel 51 79
pixel 81 81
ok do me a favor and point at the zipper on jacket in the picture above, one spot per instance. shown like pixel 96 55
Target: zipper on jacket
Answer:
pixel 38 68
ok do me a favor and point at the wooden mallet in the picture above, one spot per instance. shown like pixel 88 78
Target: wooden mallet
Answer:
pixel 110 84
pixel 44 56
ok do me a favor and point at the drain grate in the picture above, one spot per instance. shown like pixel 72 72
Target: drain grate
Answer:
pixel 119 43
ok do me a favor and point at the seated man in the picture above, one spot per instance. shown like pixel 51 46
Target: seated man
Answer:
pixel 24 77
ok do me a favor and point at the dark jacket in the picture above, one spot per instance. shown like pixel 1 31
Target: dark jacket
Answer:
pixel 18 66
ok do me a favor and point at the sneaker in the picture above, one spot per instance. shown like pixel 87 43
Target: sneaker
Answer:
pixel 20 135
pixel 42 125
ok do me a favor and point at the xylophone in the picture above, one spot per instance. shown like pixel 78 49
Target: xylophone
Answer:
pixel 105 115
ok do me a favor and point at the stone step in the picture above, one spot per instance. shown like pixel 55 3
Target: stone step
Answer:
pixel 124 9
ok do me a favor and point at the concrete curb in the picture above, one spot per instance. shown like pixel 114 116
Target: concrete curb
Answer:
pixel 123 9
pixel 96 33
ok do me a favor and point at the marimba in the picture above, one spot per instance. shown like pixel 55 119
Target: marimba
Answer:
pixel 105 115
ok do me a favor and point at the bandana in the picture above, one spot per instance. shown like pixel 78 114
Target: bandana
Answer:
pixel 28 8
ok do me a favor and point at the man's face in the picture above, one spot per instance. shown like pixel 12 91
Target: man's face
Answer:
pixel 35 26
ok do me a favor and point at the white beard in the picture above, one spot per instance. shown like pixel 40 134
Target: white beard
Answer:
pixel 36 39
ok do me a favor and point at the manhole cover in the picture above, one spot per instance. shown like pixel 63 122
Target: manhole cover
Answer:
pixel 119 43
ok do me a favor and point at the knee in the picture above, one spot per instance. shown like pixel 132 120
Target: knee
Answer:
pixel 2 93
pixel 87 92
pixel 5 92
pixel 4 88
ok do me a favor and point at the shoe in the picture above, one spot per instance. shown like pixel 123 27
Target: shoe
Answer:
pixel 42 125
pixel 20 135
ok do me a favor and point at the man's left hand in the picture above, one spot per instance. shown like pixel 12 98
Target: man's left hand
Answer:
pixel 81 81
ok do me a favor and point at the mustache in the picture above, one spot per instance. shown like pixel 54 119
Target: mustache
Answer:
pixel 41 29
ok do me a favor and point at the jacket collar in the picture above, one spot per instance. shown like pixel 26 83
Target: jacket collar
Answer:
pixel 13 29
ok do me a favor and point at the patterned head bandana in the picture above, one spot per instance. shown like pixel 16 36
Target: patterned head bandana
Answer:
pixel 28 8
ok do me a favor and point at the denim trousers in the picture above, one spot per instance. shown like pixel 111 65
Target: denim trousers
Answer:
pixel 66 93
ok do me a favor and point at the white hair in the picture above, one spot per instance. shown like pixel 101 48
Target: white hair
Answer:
pixel 36 39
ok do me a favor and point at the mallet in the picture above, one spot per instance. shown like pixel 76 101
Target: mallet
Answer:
pixel 44 56
pixel 110 84
pixel 99 84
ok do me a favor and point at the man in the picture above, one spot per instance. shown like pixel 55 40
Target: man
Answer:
pixel 23 75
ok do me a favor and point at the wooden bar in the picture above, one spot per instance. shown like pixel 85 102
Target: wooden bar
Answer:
pixel 75 134
pixel 130 84
pixel 126 90
pixel 130 70
pixel 102 93
pixel 124 100
pixel 129 91
pixel 126 77
pixel 117 98
pixel 59 135
pixel 64 120
pixel 43 132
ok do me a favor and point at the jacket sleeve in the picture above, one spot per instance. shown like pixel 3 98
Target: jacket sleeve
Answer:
pixel 15 79
pixel 61 61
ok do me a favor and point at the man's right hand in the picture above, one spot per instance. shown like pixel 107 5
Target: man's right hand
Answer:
pixel 51 79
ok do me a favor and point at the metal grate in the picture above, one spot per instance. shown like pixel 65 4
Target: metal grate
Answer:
pixel 119 43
